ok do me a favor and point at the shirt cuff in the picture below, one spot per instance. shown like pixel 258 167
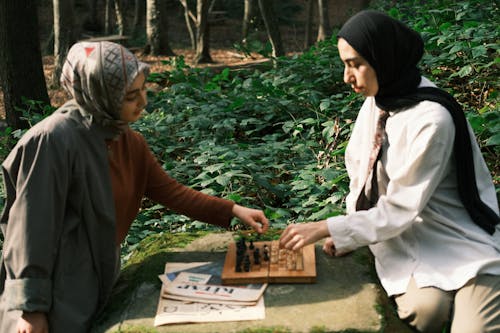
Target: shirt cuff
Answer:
pixel 30 295
pixel 339 230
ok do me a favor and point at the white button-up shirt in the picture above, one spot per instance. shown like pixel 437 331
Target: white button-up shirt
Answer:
pixel 419 226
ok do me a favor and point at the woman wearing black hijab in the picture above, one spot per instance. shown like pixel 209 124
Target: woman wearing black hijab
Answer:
pixel 421 196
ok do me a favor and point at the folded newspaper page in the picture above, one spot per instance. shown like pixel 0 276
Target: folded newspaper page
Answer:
pixel 177 312
pixel 199 297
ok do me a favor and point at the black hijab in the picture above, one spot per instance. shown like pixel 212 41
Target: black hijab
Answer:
pixel 394 50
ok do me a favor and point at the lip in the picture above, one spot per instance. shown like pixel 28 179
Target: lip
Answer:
pixel 357 89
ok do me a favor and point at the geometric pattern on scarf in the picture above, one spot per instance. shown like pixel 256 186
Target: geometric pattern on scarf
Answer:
pixel 97 75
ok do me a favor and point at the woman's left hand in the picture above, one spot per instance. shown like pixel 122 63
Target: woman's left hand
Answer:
pixel 254 218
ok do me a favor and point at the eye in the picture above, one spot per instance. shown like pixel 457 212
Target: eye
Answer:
pixel 130 98
pixel 354 64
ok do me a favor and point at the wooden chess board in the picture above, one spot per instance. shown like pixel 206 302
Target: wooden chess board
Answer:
pixel 282 266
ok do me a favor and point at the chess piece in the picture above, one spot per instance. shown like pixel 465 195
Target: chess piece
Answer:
pixel 256 256
pixel 246 263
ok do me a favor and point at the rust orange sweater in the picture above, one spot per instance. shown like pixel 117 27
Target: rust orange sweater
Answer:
pixel 135 173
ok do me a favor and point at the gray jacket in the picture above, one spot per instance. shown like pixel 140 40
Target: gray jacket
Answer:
pixel 59 254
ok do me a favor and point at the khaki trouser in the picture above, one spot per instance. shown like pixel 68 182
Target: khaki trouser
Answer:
pixel 473 308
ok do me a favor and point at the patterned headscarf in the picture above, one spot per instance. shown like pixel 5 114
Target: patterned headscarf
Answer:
pixel 97 75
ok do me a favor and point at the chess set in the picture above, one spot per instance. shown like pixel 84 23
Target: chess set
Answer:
pixel 265 262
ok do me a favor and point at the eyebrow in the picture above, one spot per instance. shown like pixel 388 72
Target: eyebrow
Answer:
pixel 132 91
pixel 351 59
pixel 135 90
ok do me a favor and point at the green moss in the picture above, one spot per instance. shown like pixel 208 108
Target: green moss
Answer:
pixel 135 329
pixel 160 243
pixel 144 263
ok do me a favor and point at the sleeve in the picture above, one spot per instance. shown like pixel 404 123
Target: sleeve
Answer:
pixel 36 184
pixel 427 154
pixel 182 199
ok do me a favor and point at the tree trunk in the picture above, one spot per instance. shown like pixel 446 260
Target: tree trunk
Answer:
pixel 157 28
pixel 324 22
pixel 21 69
pixel 188 16
pixel 108 17
pixel 272 27
pixel 139 14
pixel 247 19
pixel 202 33
pixel 63 35
pixel 120 17
pixel 308 28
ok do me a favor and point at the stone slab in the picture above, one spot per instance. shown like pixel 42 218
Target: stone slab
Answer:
pixel 344 297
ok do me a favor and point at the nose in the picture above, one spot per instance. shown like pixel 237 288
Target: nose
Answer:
pixel 348 77
pixel 143 100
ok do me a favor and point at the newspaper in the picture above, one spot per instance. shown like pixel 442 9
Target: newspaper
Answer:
pixel 198 296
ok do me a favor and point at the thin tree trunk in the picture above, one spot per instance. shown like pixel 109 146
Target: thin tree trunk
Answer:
pixel 108 17
pixel 139 14
pixel 21 69
pixel 324 22
pixel 272 27
pixel 247 19
pixel 202 36
pixel 63 35
pixel 120 17
pixel 188 16
pixel 308 28
pixel 164 35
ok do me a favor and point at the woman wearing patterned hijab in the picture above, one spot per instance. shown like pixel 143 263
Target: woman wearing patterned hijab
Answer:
pixel 74 184
pixel 421 196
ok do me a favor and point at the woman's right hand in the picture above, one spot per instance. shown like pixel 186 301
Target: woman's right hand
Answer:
pixel 33 322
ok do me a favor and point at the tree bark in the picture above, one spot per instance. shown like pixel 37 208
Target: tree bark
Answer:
pixel 157 28
pixel 108 17
pixel 139 14
pixel 247 19
pixel 21 69
pixel 272 27
pixel 202 33
pixel 188 16
pixel 324 22
pixel 308 27
pixel 120 17
pixel 63 35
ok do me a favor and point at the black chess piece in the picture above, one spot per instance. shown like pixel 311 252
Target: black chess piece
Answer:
pixel 265 254
pixel 246 263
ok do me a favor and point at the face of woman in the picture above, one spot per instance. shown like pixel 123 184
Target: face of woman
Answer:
pixel 135 100
pixel 357 72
